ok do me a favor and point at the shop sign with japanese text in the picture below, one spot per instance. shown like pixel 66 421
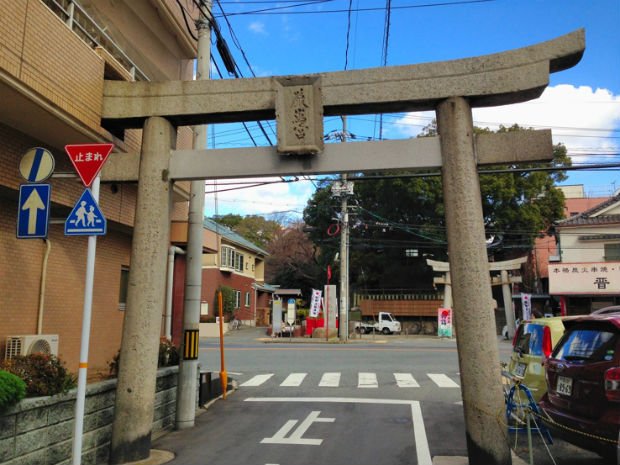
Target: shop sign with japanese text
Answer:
pixel 584 278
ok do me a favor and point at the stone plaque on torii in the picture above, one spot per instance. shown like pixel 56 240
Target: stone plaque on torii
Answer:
pixel 298 104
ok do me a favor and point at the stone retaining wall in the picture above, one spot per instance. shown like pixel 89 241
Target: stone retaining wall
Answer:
pixel 40 430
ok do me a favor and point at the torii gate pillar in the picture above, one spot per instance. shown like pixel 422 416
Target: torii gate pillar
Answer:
pixel 477 342
pixel 131 432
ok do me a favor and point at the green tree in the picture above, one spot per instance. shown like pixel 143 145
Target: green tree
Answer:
pixel 398 219
pixel 254 228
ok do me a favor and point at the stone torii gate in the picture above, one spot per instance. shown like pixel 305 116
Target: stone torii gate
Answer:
pixel 504 280
pixel 299 103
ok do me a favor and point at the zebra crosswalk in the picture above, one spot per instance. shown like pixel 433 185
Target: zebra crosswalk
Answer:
pixel 365 380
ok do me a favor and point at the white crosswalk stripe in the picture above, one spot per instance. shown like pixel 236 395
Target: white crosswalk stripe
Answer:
pixel 294 380
pixel 367 380
pixel 257 380
pixel 405 380
pixel 330 380
pixel 442 380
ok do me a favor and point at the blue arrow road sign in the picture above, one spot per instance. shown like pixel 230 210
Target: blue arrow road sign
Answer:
pixel 86 218
pixel 33 211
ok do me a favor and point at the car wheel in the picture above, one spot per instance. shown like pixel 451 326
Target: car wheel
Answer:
pixel 386 331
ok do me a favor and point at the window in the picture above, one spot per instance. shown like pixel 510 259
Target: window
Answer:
pixel 124 286
pixel 247 299
pixel 231 259
pixel 228 257
pixel 237 299
pixel 204 308
pixel 586 343
pixel 612 252
pixel 411 253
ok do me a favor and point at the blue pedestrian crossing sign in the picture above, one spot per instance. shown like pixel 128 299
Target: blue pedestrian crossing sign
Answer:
pixel 33 211
pixel 86 218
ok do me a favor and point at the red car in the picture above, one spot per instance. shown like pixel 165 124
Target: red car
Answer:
pixel 583 385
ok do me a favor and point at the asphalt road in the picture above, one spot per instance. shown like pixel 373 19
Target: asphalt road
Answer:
pixel 391 400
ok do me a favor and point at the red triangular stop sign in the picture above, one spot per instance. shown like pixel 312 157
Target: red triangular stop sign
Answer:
pixel 88 159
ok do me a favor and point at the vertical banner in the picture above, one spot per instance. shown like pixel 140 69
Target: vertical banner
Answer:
pixel 526 305
pixel 315 303
pixel 444 322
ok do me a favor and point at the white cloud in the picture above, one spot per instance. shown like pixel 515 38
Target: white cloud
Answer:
pixel 258 27
pixel 272 197
pixel 580 117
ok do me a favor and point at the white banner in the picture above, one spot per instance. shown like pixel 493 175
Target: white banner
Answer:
pixel 315 303
pixel 600 278
pixel 526 305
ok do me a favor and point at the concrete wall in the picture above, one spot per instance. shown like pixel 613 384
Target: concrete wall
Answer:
pixel 40 430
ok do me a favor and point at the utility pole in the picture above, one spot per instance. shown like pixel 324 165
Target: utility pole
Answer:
pixel 188 366
pixel 344 251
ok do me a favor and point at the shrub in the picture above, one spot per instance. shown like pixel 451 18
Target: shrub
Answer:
pixel 12 389
pixel 168 356
pixel 44 375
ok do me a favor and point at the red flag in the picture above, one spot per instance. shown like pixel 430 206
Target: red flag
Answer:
pixel 329 273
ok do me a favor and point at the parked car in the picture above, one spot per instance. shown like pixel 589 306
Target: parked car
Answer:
pixel 583 379
pixel 385 322
pixel 532 344
pixel 606 310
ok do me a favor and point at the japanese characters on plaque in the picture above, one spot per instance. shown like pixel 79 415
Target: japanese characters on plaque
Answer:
pixel 299 115
pixel 571 278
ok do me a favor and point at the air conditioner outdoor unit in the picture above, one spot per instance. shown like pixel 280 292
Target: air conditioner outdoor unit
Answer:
pixel 31 344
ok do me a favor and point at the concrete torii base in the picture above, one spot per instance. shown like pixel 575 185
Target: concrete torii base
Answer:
pixel 451 460
pixel 156 457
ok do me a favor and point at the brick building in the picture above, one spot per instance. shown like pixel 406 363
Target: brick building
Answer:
pixel 54 57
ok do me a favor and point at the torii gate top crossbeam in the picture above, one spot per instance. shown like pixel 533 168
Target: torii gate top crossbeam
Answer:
pixel 513 264
pixel 502 78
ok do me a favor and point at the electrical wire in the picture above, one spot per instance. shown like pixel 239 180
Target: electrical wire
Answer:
pixel 268 11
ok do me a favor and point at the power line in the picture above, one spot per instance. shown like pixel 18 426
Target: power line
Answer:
pixel 269 11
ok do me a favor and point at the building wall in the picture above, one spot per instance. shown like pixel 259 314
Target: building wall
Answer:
pixel 213 278
pixel 574 250
pixel 33 49
pixel 47 66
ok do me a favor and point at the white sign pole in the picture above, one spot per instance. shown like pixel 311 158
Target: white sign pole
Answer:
pixel 88 304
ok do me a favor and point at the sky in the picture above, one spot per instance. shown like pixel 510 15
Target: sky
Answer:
pixel 581 105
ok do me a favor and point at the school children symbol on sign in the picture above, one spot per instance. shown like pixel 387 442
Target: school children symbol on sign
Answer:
pixel 86 218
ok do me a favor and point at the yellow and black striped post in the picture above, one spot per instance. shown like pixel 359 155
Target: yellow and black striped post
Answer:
pixel 190 344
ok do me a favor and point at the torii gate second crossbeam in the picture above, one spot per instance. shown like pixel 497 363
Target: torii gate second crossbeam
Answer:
pixel 450 88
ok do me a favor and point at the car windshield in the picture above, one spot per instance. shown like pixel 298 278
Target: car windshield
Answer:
pixel 529 340
pixel 583 343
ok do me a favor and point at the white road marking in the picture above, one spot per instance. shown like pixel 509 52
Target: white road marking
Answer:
pixel 419 436
pixel 367 380
pixel 296 436
pixel 257 380
pixel 294 380
pixel 442 380
pixel 330 380
pixel 405 380
pixel 419 431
